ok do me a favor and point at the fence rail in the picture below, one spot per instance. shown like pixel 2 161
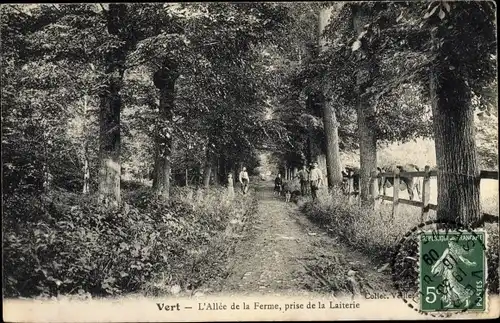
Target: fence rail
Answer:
pixel 424 204
pixel 485 174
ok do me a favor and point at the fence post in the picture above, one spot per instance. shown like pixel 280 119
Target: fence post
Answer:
pixel 426 193
pixel 350 181
pixel 395 194
pixel 374 188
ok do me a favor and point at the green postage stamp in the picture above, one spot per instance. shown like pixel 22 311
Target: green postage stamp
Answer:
pixel 453 271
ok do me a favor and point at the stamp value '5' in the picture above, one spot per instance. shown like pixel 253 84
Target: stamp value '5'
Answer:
pixel 453 271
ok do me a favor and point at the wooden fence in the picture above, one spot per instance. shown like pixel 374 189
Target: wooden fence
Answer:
pixel 424 204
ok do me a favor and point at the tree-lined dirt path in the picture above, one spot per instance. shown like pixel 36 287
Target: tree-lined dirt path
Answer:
pixel 282 252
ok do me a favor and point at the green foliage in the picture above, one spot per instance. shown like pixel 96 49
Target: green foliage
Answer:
pixel 487 140
pixel 60 243
pixel 396 48
pixel 403 115
pixel 401 110
pixel 42 101
pixel 463 40
pixel 55 60
pixel 218 100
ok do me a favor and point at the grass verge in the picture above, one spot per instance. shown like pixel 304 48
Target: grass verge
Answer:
pixel 376 234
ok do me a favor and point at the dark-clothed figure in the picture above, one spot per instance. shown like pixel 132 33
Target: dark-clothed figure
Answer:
pixel 303 176
pixel 278 184
pixel 244 180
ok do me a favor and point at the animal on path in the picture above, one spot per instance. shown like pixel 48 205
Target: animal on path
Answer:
pixel 290 194
pixel 410 183
pixel 294 195
pixel 285 187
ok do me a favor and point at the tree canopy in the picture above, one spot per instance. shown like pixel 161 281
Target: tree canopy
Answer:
pixel 246 75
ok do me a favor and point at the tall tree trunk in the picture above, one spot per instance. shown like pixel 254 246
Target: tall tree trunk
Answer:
pixel 310 152
pixel 86 171
pixel 164 79
pixel 233 169
pixel 186 162
pixel 333 166
pixel 86 168
pixel 46 178
pixel 46 169
pixel 109 116
pixel 158 166
pixel 198 175
pixel 458 177
pixel 216 171
pixel 206 176
pixel 223 169
pixel 365 113
pixel 367 146
pixel 208 169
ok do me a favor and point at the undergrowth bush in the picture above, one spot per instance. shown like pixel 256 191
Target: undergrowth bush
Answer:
pixel 377 234
pixel 362 228
pixel 65 243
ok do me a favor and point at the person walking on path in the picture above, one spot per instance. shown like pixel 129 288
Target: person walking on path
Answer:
pixel 315 179
pixel 244 180
pixel 303 176
pixel 278 184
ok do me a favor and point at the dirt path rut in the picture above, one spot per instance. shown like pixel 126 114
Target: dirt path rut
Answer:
pixel 285 253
